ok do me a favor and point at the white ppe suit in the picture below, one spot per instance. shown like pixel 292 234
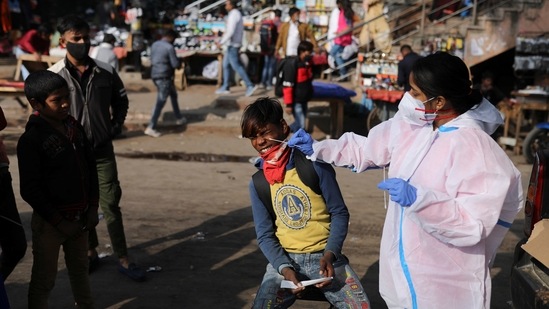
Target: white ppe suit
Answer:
pixel 437 252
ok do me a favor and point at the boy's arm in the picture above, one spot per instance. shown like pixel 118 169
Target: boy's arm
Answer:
pixel 119 104
pixel 265 233
pixel 336 207
pixel 31 184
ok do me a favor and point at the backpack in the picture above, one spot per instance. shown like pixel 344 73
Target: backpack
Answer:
pixel 268 34
pixel 306 172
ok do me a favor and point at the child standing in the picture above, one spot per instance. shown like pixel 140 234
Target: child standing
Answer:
pixel 59 181
pixel 300 226
pixel 13 243
pixel 297 84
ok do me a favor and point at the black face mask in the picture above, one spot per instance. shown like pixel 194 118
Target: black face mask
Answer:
pixel 78 50
pixel 308 58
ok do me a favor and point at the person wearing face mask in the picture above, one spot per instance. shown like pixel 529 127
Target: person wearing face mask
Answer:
pixel 454 192
pixel 291 33
pixel 300 225
pixel 297 84
pixel 100 103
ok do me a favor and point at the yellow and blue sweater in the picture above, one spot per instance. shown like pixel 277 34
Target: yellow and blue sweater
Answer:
pixel 305 221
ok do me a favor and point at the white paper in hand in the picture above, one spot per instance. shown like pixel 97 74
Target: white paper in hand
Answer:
pixel 287 284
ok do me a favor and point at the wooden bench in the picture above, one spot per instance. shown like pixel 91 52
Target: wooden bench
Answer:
pixel 32 64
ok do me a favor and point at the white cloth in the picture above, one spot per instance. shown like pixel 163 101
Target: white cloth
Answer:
pixel 293 40
pixel 437 252
pixel 104 52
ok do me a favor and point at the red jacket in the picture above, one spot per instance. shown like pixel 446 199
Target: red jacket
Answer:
pixel 297 81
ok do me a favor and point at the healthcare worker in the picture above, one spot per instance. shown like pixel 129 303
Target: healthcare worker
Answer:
pixel 454 192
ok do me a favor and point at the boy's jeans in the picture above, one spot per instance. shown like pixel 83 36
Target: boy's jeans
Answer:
pixel 300 114
pixel 345 290
pixel 46 241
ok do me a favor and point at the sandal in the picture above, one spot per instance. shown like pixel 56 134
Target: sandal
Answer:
pixel 133 271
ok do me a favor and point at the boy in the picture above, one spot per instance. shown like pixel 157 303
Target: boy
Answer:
pixel 58 178
pixel 297 84
pixel 300 231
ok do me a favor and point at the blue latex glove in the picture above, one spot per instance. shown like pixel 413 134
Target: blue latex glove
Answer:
pixel 400 190
pixel 302 141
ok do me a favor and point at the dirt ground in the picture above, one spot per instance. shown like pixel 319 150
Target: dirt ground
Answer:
pixel 186 209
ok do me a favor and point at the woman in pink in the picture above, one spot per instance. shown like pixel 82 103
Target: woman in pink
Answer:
pixel 36 42
pixel 346 18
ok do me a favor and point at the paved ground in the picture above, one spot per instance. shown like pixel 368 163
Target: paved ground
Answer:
pixel 186 209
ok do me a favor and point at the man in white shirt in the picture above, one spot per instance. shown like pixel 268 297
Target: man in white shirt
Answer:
pixel 104 52
pixel 291 33
pixel 232 39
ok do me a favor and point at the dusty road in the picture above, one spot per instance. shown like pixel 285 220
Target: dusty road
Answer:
pixel 192 218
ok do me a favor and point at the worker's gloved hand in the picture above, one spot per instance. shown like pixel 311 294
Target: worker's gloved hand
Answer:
pixel 400 190
pixel 302 141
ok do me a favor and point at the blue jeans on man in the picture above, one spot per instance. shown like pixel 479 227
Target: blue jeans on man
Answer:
pixel 232 61
pixel 166 88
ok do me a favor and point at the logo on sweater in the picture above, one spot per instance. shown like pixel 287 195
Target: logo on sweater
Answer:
pixel 292 206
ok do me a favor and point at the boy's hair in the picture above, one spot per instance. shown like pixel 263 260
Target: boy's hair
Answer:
pixel 259 114
pixel 277 12
pixel 40 84
pixel 304 46
pixel 72 23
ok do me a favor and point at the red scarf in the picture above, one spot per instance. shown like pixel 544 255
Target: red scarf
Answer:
pixel 274 163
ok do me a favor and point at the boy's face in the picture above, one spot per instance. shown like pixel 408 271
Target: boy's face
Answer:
pixel 305 55
pixel 262 141
pixel 56 107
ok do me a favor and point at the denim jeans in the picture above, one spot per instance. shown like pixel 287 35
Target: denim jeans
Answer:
pixel 336 52
pixel 268 70
pixel 165 88
pixel 110 194
pixel 345 290
pixel 46 242
pixel 299 113
pixel 232 61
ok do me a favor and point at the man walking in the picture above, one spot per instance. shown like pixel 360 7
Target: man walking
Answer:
pixel 164 62
pixel 232 38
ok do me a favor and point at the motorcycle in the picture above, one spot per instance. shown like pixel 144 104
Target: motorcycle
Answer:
pixel 537 139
